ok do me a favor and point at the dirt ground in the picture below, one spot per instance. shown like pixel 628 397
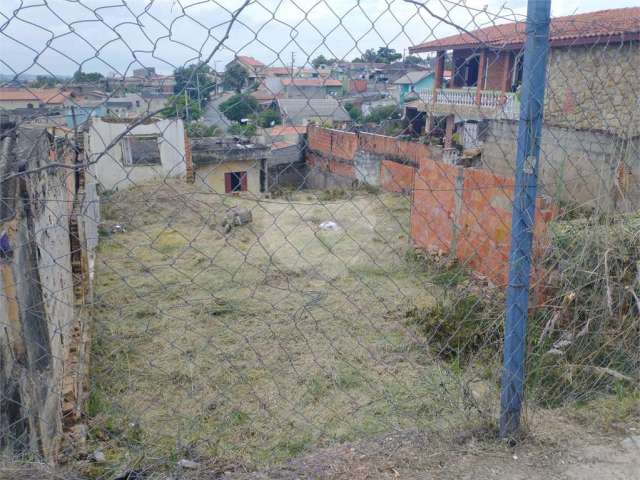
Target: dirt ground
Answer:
pixel 564 451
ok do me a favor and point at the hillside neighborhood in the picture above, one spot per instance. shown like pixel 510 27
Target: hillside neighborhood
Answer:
pixel 234 265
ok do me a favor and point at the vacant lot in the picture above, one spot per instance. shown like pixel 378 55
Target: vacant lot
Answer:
pixel 256 345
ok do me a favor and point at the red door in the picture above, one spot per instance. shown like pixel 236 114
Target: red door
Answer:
pixel 228 185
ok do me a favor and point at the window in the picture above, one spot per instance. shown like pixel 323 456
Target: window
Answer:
pixel 141 150
pixel 235 182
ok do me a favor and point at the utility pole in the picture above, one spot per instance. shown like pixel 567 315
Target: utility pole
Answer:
pixel 536 50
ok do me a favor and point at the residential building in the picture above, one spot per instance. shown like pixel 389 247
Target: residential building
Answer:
pixel 590 103
pixel 11 98
pixel 121 158
pixel 302 111
pixel 255 68
pixel 311 87
pixel 230 165
pixel 412 81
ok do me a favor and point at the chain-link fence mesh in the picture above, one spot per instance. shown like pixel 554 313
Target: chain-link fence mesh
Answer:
pixel 240 233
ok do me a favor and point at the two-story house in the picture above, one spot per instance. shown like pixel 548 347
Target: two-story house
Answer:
pixel 591 113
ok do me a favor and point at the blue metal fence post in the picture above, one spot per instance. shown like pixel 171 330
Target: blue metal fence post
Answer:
pixel 531 109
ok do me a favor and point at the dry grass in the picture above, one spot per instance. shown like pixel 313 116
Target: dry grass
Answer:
pixel 256 346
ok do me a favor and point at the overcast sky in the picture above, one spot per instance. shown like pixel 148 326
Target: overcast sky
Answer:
pixel 57 36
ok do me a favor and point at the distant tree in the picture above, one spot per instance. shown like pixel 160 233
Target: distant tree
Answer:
pixel 235 77
pixel 44 81
pixel 268 118
pixel 197 80
pixel 413 60
pixel 322 60
pixel 181 106
pixel 82 77
pixel 382 55
pixel 387 55
pixel 239 106
pixel 354 112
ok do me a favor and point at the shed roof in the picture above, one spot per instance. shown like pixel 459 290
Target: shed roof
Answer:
pixel 299 110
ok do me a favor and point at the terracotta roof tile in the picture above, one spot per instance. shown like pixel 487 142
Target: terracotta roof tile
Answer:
pixel 42 95
pixel 585 28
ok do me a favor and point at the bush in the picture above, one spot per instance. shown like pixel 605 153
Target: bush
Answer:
pixel 243 130
pixel 380 114
pixel 354 112
pixel 460 324
pixel 268 118
pixel 198 130
pixel 239 106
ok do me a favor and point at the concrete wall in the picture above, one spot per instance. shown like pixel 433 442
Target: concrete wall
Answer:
pixel 212 176
pixel 580 168
pixel 595 87
pixel 110 170
pixel 44 283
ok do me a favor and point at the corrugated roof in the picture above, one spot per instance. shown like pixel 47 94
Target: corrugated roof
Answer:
pixel 299 110
pixel 411 78
pixel 585 28
pixel 312 82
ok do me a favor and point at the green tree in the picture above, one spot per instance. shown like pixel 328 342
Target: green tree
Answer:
pixel 322 60
pixel 268 118
pixel 413 60
pixel 82 77
pixel 44 81
pixel 386 112
pixel 198 130
pixel 181 106
pixel 354 112
pixel 197 80
pixel 239 106
pixel 387 55
pixel 246 130
pixel 235 77
pixel 382 55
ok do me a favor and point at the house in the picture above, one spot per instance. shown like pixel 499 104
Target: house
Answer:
pixel 311 87
pixel 411 81
pixel 254 68
pixel 302 111
pixel 591 107
pixel 230 164
pixel 11 98
pixel 121 158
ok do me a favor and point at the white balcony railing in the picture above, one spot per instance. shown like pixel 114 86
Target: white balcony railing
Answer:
pixel 498 104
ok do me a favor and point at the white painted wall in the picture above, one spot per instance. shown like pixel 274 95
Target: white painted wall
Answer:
pixel 110 170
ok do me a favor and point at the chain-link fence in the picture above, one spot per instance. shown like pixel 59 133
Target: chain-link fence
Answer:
pixel 273 239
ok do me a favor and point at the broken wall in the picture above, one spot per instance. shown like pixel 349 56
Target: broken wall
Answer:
pixel 45 276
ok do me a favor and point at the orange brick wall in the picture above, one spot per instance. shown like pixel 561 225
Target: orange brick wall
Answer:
pixel 332 142
pixel 473 221
pixel 396 177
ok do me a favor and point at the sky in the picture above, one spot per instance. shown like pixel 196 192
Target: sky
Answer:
pixel 115 36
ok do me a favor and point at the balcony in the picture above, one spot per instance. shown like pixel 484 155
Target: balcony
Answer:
pixel 465 102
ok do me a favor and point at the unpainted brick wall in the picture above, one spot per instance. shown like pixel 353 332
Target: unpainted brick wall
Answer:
pixel 396 177
pixel 467 212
